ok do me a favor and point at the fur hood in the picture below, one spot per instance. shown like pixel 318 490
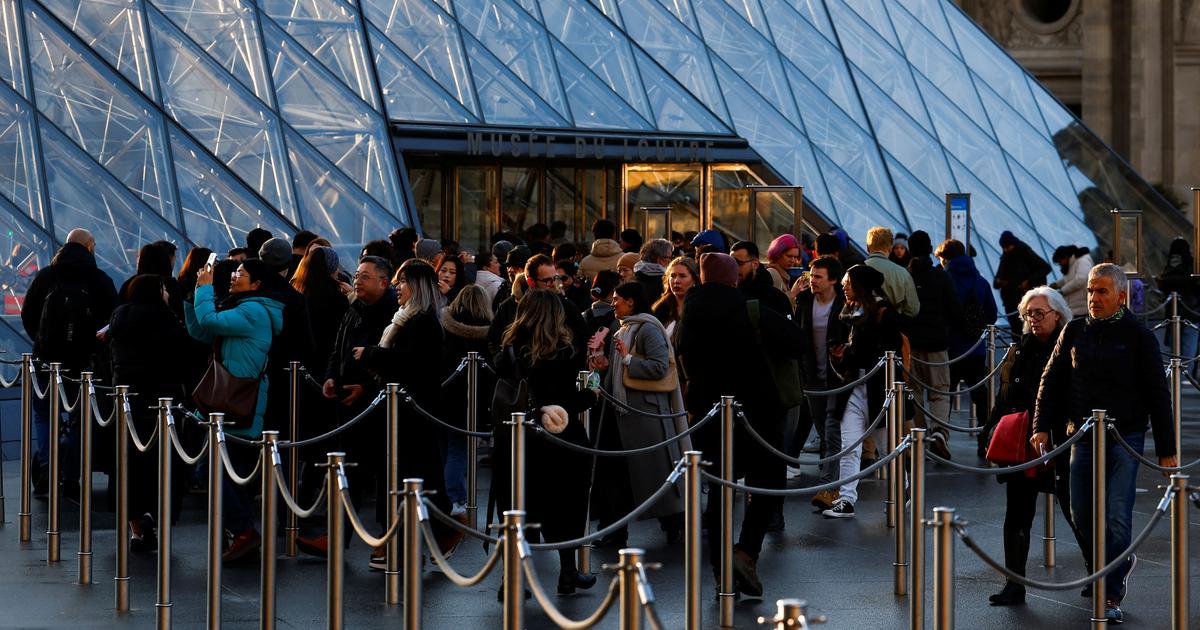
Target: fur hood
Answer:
pixel 465 330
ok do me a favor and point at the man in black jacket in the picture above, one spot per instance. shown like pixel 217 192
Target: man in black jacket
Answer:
pixel 1020 270
pixel 755 281
pixel 540 273
pixel 720 356
pixel 294 341
pixel 1109 361
pixel 929 338
pixel 817 311
pixel 65 306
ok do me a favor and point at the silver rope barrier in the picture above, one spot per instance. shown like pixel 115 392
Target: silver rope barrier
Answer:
pixel 454 576
pixel 985 381
pixel 233 476
pixel 179 450
pixel 449 521
pixel 964 355
pixel 7 383
pixel 1146 462
pixel 547 605
pixel 811 490
pixel 352 514
pixel 141 446
pixel 283 444
pixel 625 407
pixel 37 391
pixel 1033 463
pixel 838 455
pixel 941 421
pixel 432 418
pixel 554 439
pixel 1155 516
pixel 62 397
pixel 96 410
pixel 282 484
pixel 455 374
pixel 848 386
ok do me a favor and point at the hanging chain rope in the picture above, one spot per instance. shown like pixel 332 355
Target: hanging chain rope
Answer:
pixel 666 487
pixel 341 429
pixel 848 386
pixel 455 577
pixel 96 410
pixel 967 353
pixel 811 490
pixel 455 374
pixel 624 407
pixel 37 391
pixel 449 521
pixel 554 439
pixel 233 476
pixel 838 455
pixel 141 446
pixel 187 459
pixel 352 514
pixel 288 499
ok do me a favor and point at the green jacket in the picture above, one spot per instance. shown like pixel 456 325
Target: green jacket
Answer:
pixel 246 330
pixel 897 284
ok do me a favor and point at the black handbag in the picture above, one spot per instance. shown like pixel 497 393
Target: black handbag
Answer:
pixel 511 394
pixel 219 391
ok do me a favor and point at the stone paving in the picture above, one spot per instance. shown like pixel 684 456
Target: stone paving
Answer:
pixel 842 567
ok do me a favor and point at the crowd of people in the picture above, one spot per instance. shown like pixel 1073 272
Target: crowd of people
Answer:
pixel 663 327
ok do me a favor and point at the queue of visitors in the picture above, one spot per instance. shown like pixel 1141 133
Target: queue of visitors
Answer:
pixel 663 327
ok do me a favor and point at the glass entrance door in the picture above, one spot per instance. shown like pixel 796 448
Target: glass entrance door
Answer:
pixel 664 199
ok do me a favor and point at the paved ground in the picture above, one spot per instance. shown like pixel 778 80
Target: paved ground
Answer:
pixel 842 567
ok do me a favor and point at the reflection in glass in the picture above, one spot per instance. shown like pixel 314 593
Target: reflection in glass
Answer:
pixel 729 201
pixel 518 199
pixel 1127 230
pixel 115 30
pixel 774 214
pixel 475 201
pixel 664 187
pixel 19 181
pixel 426 186
pixel 560 197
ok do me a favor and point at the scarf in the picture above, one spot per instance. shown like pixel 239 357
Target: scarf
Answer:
pixel 1108 320
pixel 631 325
pixel 400 318
pixel 649 268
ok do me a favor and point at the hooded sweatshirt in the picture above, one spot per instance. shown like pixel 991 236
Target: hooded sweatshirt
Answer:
pixel 605 253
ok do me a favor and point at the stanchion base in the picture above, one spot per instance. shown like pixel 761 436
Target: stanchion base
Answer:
pixel 85 567
pixel 53 547
pixel 391 579
pixel 26 525
pixel 727 608
pixel 122 594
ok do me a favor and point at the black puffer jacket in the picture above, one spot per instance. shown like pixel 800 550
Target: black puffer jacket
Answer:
pixel 929 330
pixel 141 336
pixel 1112 365
pixel 362 326
pixel 76 265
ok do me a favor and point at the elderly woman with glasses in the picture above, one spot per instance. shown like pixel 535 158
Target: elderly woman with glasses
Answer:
pixel 1045 312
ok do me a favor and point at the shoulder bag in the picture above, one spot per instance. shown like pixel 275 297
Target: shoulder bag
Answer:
pixel 668 383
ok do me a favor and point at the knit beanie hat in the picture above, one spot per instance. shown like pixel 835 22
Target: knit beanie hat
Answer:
pixel 1007 238
pixel 919 244
pixel 900 241
pixel 427 248
pixel 628 260
pixel 712 238
pixel 718 268
pixel 781 245
pixel 501 248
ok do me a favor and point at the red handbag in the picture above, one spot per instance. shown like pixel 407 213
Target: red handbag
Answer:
pixel 1010 445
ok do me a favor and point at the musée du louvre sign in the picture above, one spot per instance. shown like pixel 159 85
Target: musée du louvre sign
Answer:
pixel 534 144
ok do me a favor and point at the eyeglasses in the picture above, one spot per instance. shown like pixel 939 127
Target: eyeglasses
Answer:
pixel 741 262
pixel 1036 315
pixel 550 279
pixel 365 276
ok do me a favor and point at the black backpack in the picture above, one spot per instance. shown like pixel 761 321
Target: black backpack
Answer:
pixel 66 328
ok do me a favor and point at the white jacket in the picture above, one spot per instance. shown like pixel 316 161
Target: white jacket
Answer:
pixel 489 282
pixel 1073 286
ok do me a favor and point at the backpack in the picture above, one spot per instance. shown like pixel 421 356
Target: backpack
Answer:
pixel 511 394
pixel 785 372
pixel 66 327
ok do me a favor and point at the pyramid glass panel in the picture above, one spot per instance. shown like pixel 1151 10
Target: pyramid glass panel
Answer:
pixel 675 109
pixel 428 35
pixel 503 98
pixel 329 115
pixel 600 45
pixel 19 165
pixel 857 212
pixel 936 62
pixel 83 195
pixel 908 142
pixel 751 12
pixel 593 105
pixel 923 209
pixel 26 249
pixel 682 10
pixel 329 30
pixel 217 211
pixel 215 109
pixel 99 112
pixel 1029 147
pixel 226 30
pixel 992 65
pixel 408 92
pixel 12 65
pixel 800 42
pixel 114 29
pixel 746 51
pixel 519 42
pixel 873 13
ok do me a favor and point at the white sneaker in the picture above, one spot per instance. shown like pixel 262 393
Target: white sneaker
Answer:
pixel 458 509
pixel 841 509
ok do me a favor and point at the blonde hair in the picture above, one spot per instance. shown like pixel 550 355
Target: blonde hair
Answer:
pixel 540 324
pixel 472 302
pixel 879 239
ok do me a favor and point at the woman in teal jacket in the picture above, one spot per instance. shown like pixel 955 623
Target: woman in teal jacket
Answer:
pixel 245 322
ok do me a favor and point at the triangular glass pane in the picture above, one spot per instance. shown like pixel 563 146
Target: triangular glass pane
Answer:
pixel 531 7
pixel 351 134
pixel 19 181
pixel 409 93
pixel 676 49
pixel 682 10
pixel 856 211
pixel 903 138
pixel 747 52
pixel 598 44
pixel 518 42
pixel 750 11
pixel 226 30
pixel 218 210
pixel 1056 116
pixel 923 209
pixel 593 105
pixel 819 60
pixel 609 9
pixel 329 31
pixel 844 142
pixel 878 61
pixel 973 146
pixel 675 109
pixel 115 124
pixel 1057 223
pixel 813 12
pixel 779 142
pixel 989 213
pixel 82 195
pixel 332 205
pixel 873 13
pixel 937 63
pixel 429 36
pixel 504 99
pixel 114 29
pixel 221 114
pixel 12 52
pixel 929 14
pixel 26 250
pixel 991 64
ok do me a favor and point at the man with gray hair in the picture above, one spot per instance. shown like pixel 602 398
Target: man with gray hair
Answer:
pixel 649 271
pixel 1109 361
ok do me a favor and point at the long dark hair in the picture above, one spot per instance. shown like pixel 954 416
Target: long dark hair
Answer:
pixel 154 259
pixel 313 277
pixel 191 266
pixel 145 288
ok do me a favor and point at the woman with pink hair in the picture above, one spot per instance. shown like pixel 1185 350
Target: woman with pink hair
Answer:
pixel 783 254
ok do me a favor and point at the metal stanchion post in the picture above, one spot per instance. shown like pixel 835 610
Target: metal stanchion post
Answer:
pixel 412 552
pixel 24 515
pixel 991 367
pixel 391 574
pixel 335 524
pixel 583 555
pixel 1176 326
pixel 1177 401
pixel 54 392
pixel 1179 553
pixel 1099 514
pixel 514 582
pixel 900 566
pixel 627 576
pixel 85 481
pixel 916 490
pixel 1048 538
pixel 292 528
pixel 889 471
pixel 162 607
pixel 943 568
pixel 472 441
pixel 121 465
pixel 726 594
pixel 517 462
pixel 691 541
pixel 270 503
pixel 215 520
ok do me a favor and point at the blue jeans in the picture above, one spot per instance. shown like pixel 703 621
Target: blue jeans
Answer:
pixel 1122 470
pixel 455 469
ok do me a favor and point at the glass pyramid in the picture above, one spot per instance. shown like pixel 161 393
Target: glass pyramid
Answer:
pixel 197 120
